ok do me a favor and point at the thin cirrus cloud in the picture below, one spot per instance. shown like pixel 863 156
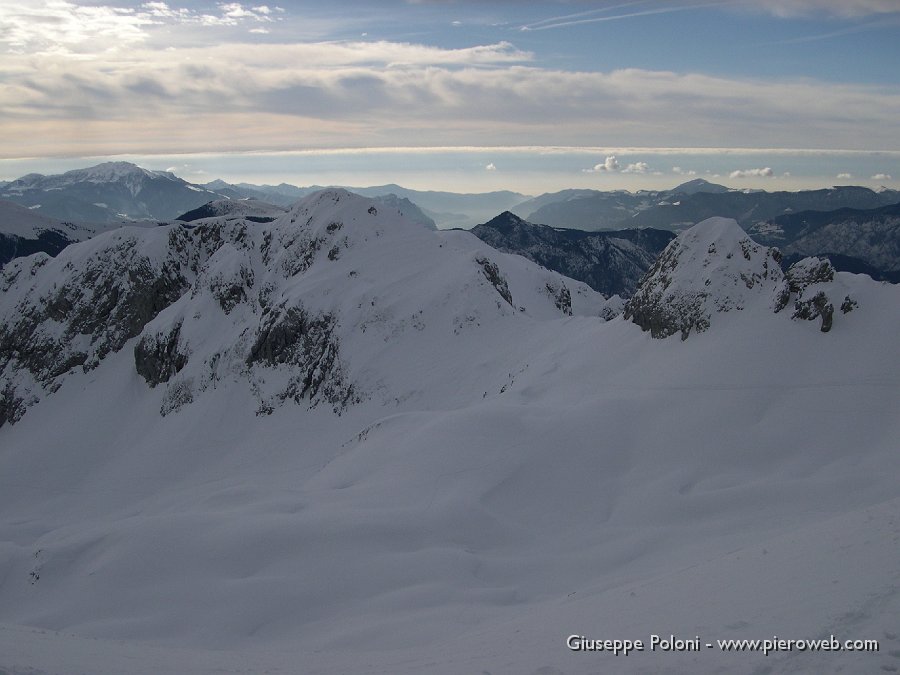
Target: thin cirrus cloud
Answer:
pixel 838 8
pixel 607 14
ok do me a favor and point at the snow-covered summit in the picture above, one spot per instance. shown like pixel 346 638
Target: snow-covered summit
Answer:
pixel 108 192
pixel 710 268
pixel 110 171
pixel 714 267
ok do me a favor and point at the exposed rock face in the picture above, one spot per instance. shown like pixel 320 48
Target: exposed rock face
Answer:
pixel 561 297
pixel 804 280
pixel 86 307
pixel 813 308
pixel 157 357
pixel 808 271
pixel 101 294
pixel 492 274
pixel 307 342
pixel 712 267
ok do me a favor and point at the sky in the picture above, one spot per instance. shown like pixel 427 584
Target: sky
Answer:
pixel 460 95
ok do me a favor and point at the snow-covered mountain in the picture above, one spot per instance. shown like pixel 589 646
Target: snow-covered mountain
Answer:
pixel 289 293
pixel 612 262
pixel 108 192
pixel 342 443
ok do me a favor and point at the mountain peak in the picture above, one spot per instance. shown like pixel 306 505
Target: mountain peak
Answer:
pixel 109 171
pixel 709 268
pixel 505 222
pixel 699 185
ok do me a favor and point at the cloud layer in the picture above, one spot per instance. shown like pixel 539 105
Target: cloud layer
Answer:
pixel 160 78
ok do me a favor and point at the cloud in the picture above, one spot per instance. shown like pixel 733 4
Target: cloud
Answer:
pixel 882 176
pixel 683 172
pixel 75 87
pixel 62 26
pixel 752 173
pixel 837 8
pixel 844 176
pixel 609 164
pixel 590 16
pixel 490 167
pixel 637 167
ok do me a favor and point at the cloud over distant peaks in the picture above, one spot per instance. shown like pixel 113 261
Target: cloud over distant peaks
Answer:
pixel 637 167
pixel 882 176
pixel 490 167
pixel 609 164
pixel 765 172
pixel 844 176
pixel 683 172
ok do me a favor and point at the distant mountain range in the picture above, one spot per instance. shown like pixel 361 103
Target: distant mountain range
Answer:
pixel 611 262
pixel 855 240
pixel 688 204
pixel 588 235
pixel 116 191
pixel 444 209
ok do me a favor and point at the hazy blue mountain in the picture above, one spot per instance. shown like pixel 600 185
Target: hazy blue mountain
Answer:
pixel 688 204
pixel 855 240
pixel 108 192
pixel 611 262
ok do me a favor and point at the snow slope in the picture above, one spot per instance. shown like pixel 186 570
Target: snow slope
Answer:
pixel 502 478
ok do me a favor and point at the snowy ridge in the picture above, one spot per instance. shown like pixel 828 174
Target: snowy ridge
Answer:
pixel 231 298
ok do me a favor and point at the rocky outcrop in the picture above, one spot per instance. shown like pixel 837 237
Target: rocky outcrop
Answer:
pixel 805 281
pixel 493 275
pixel 561 296
pixel 157 357
pixel 295 337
